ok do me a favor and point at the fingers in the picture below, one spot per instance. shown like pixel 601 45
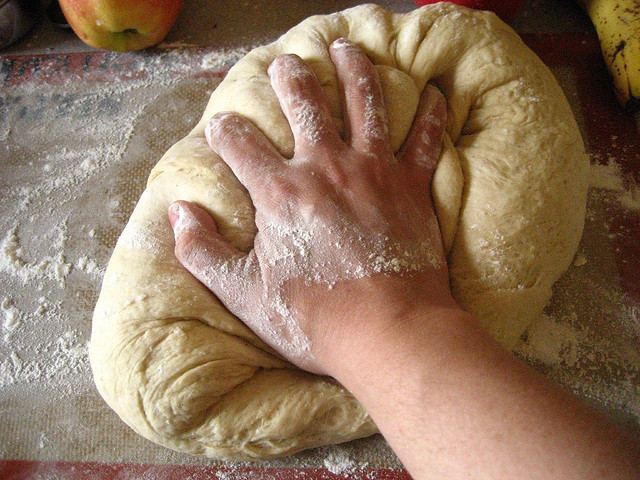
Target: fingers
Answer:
pixel 303 102
pixel 206 254
pixel 424 142
pixel 365 115
pixel 249 154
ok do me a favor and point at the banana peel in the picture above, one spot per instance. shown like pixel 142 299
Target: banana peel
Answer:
pixel 617 23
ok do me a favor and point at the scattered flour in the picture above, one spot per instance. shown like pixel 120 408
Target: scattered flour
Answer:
pixel 77 146
pixel 11 316
pixel 176 44
pixel 609 177
pixel 13 258
pixel 224 57
pixel 588 336
pixel 340 463
pixel 63 357
pixel 88 265
pixel 66 156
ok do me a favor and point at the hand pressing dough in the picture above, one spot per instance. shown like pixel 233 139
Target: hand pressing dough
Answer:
pixel 510 193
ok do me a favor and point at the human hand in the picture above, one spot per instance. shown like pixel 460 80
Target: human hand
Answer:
pixel 344 228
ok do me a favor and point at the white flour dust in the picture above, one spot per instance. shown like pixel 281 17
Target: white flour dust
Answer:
pixel 588 336
pixel 608 177
pixel 340 463
pixel 66 148
pixel 291 250
pixel 307 116
pixel 75 158
pixel 225 57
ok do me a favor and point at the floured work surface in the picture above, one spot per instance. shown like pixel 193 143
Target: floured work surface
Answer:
pixel 74 161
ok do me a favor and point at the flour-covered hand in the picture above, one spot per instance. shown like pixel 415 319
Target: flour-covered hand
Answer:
pixel 344 227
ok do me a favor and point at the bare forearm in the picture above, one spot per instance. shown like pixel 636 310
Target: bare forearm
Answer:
pixel 454 404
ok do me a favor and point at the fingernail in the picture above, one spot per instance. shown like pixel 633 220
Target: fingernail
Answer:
pixel 341 43
pixel 207 131
pixel 214 125
pixel 285 62
pixel 177 219
pixel 271 71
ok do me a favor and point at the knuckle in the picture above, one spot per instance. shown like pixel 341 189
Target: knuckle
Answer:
pixel 293 72
pixel 359 69
pixel 280 190
pixel 336 175
pixel 288 62
pixel 188 247
pixel 228 126
pixel 286 59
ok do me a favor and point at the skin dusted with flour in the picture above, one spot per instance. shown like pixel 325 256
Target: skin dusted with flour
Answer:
pixel 333 213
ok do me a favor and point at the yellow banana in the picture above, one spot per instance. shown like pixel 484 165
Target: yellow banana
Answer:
pixel 618 25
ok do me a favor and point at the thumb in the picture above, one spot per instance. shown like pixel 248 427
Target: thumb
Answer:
pixel 203 251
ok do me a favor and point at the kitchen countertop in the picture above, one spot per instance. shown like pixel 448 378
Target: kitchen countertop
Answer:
pixel 80 129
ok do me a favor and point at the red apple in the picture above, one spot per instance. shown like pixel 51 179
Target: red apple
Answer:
pixel 505 9
pixel 121 25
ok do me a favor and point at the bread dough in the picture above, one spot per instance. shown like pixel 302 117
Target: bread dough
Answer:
pixel 510 194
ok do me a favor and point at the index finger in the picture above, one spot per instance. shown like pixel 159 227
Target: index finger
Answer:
pixel 303 102
pixel 250 155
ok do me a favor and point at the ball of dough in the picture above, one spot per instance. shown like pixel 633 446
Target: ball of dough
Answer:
pixel 510 192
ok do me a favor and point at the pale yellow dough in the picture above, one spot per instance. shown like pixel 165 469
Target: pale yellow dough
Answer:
pixel 510 192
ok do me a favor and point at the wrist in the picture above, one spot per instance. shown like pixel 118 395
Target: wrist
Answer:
pixel 390 317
